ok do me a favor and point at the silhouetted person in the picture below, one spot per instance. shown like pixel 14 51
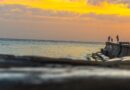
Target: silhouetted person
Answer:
pixel 117 38
pixel 109 38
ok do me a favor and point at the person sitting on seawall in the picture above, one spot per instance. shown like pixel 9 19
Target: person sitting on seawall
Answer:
pixel 109 38
pixel 108 47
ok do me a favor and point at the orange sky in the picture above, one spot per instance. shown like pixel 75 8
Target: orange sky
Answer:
pixel 75 6
pixel 82 20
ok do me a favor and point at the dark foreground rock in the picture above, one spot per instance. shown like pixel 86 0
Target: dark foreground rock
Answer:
pixel 64 78
pixel 42 73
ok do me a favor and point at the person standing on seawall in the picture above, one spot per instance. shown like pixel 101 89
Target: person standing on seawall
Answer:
pixel 117 38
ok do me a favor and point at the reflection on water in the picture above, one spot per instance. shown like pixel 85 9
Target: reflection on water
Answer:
pixel 48 49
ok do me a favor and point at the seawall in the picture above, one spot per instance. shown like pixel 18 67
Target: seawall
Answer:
pixel 114 50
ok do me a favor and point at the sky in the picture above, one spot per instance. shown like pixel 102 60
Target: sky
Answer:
pixel 69 20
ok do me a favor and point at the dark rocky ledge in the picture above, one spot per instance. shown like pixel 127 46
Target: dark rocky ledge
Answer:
pixel 35 61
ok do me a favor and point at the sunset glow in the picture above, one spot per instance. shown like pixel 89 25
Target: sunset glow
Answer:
pixel 75 6
pixel 78 20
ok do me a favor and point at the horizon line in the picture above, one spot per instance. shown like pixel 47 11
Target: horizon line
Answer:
pixel 50 40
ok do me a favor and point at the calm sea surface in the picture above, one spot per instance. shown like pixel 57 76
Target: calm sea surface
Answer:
pixel 48 48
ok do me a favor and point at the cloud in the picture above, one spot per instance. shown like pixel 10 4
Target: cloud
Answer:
pixel 25 22
pixel 96 2
pixel 22 13
pixel 99 7
pixel 19 12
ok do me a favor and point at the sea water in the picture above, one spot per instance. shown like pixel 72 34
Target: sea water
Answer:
pixel 54 49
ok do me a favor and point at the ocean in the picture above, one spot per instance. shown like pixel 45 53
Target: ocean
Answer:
pixel 54 49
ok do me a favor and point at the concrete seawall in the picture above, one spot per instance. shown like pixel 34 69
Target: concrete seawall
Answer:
pixel 114 50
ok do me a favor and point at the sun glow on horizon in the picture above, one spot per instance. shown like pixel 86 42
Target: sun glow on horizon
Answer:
pixel 74 6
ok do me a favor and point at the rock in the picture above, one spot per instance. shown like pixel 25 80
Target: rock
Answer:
pixel 67 78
